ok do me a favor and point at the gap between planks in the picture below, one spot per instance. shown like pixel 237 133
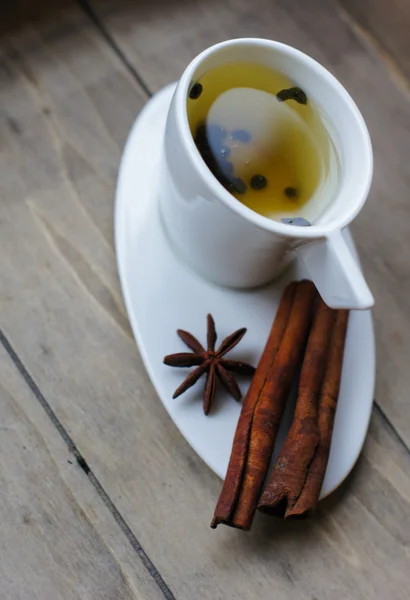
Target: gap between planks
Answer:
pixel 82 463
pixel 92 15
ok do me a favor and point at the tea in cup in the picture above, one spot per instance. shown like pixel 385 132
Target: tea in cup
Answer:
pixel 265 156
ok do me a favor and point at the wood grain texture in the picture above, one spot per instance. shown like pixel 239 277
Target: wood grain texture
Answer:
pixel 388 22
pixel 67 105
pixel 58 540
pixel 161 42
pixel 14 13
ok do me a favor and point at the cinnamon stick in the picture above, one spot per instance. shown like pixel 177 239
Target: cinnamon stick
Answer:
pixel 263 408
pixel 233 479
pixel 309 496
pixel 294 485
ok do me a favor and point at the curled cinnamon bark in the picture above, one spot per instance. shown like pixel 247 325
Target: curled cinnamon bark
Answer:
pixel 233 479
pixel 309 496
pixel 263 408
pixel 294 485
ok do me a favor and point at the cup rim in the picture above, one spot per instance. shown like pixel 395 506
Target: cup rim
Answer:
pixel 314 231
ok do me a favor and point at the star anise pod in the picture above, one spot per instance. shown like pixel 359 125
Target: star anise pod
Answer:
pixel 210 361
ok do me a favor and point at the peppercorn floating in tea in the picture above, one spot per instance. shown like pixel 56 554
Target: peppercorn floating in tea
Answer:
pixel 290 192
pixel 294 93
pixel 195 91
pixel 262 139
pixel 258 182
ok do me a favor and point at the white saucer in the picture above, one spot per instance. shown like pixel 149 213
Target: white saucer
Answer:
pixel 162 295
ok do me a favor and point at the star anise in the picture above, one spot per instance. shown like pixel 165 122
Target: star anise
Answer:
pixel 210 361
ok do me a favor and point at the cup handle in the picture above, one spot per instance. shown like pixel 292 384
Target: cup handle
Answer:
pixel 336 273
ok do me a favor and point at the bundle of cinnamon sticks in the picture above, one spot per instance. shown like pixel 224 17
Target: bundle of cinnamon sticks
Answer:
pixel 305 331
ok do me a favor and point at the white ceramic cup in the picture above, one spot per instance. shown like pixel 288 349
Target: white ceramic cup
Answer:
pixel 228 243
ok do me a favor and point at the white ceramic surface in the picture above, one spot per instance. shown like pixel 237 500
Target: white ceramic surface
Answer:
pixel 232 245
pixel 161 295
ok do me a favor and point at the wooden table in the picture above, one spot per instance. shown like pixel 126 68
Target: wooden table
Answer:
pixel 100 496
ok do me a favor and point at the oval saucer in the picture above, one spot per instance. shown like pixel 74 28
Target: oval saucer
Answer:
pixel 161 295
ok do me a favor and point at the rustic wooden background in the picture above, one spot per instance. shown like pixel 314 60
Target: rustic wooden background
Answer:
pixel 100 497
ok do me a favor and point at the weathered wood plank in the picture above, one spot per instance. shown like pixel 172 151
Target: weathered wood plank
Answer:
pixel 58 540
pixel 14 13
pixel 161 42
pixel 65 319
pixel 388 23
pixel 27 121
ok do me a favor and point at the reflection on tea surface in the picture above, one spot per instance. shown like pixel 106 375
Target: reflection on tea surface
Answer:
pixel 263 140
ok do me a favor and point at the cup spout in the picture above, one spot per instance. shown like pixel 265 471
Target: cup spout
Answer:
pixel 336 273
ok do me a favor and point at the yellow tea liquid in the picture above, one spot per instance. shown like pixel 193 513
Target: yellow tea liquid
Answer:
pixel 263 140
